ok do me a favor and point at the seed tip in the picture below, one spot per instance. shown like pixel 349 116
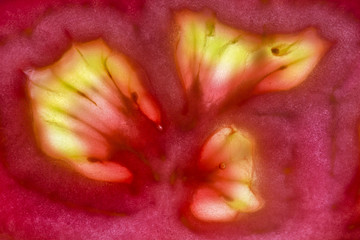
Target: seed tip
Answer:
pixel 159 127
pixel 222 165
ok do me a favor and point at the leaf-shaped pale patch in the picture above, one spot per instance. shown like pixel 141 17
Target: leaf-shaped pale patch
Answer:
pixel 86 102
pixel 216 61
pixel 227 161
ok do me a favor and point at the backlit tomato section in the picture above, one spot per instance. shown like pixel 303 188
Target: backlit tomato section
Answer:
pixel 220 67
pixel 218 62
pixel 86 105
pixel 227 163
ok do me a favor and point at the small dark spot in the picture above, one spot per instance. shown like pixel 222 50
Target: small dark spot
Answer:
pixel 228 198
pixel 287 170
pixel 334 206
pixel 80 93
pixel 156 177
pixel 333 99
pixel 275 51
pixel 134 96
pixel 3 40
pixel 136 28
pixel 210 27
pixel 173 178
pixel 93 160
pixel 351 227
pixel 283 67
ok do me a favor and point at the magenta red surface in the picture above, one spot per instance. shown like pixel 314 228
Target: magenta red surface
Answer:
pixel 307 138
